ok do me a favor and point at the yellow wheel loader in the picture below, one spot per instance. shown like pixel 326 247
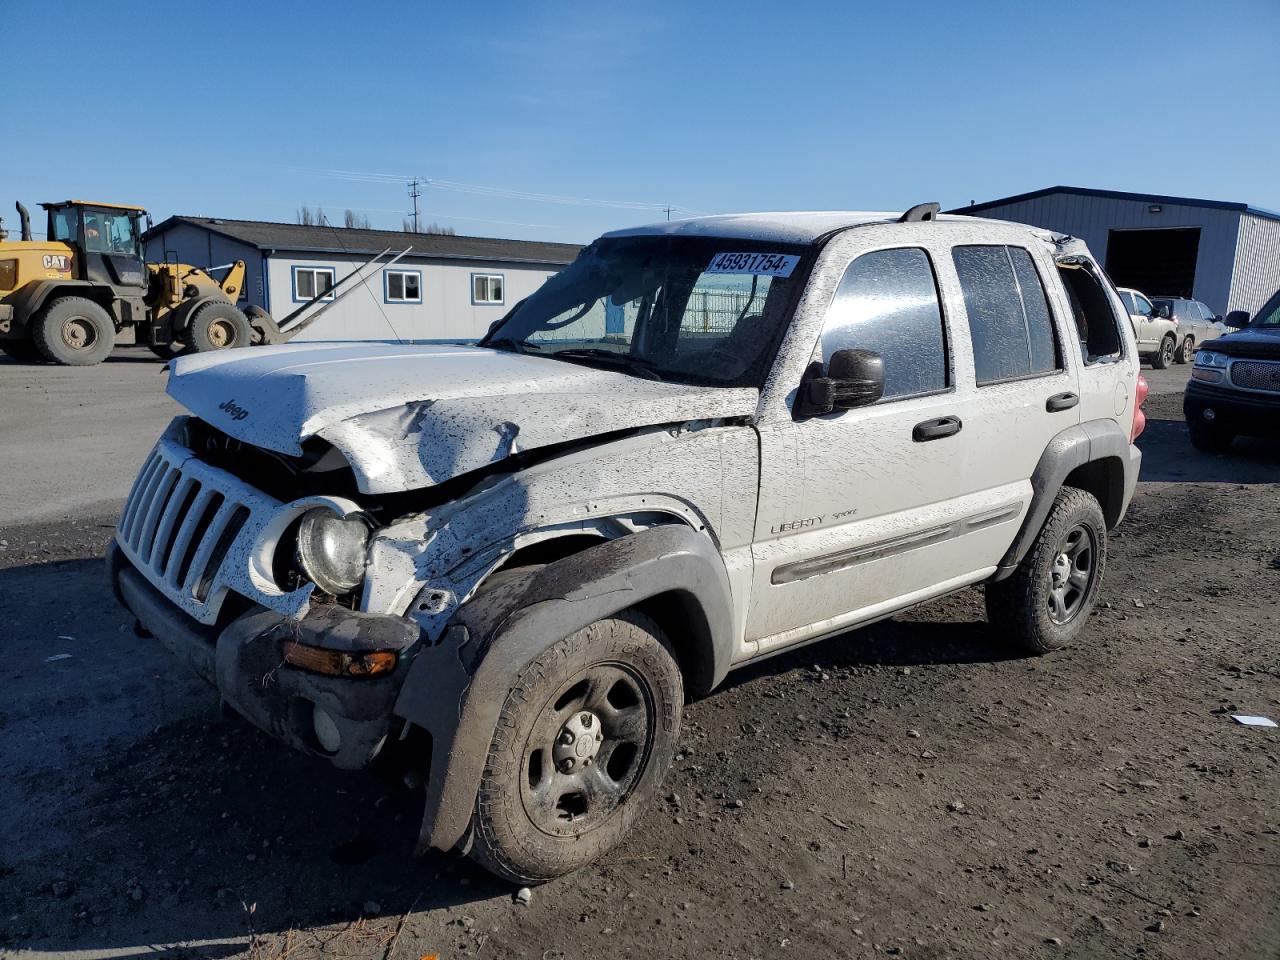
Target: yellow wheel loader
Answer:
pixel 70 298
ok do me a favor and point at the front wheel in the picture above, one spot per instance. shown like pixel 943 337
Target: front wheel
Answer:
pixel 1164 356
pixel 581 748
pixel 1044 604
pixel 219 326
pixel 1208 437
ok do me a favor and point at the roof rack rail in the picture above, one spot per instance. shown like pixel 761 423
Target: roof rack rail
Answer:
pixel 921 212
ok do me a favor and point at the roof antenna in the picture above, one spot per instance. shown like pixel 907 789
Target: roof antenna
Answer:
pixel 921 212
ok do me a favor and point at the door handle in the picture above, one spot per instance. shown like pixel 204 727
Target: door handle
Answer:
pixel 1061 401
pixel 935 429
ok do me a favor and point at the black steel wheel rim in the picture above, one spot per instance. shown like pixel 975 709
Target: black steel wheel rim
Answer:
pixel 1071 574
pixel 587 749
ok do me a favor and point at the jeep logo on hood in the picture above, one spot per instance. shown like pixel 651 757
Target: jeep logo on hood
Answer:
pixel 233 411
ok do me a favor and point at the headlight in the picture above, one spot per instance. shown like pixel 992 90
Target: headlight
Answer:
pixel 331 549
pixel 1207 358
pixel 8 274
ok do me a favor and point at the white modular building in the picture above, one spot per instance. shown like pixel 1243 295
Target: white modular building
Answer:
pixel 445 288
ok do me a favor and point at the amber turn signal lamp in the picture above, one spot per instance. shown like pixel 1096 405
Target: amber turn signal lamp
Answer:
pixel 339 663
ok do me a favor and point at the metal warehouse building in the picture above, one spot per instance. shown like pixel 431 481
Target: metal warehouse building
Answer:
pixel 446 288
pixel 1224 254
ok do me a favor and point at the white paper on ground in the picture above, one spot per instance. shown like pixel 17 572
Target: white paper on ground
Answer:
pixel 1253 721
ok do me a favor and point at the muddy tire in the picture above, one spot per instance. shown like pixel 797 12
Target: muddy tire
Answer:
pixel 582 745
pixel 23 351
pixel 219 326
pixel 1209 437
pixel 1187 350
pixel 1045 604
pixel 74 332
pixel 1161 359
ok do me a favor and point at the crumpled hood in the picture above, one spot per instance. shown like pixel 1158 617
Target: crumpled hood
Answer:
pixel 413 416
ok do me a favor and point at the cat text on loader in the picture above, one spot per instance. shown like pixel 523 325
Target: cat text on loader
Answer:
pixel 72 297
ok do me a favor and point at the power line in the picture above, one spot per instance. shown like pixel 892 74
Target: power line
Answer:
pixel 501 193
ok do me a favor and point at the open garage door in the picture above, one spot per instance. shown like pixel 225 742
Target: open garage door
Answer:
pixel 1157 262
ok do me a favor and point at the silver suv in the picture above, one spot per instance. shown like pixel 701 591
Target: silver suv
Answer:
pixel 505 567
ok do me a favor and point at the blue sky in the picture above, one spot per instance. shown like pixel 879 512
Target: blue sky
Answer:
pixel 240 111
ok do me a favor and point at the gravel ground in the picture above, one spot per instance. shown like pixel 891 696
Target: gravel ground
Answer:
pixel 912 789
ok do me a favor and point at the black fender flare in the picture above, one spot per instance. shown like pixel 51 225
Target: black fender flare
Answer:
pixel 1074 447
pixel 455 689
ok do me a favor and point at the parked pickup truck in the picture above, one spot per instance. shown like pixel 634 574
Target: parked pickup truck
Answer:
pixel 504 568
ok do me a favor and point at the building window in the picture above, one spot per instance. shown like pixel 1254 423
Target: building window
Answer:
pixel 309 282
pixel 402 286
pixel 486 288
pixel 1009 321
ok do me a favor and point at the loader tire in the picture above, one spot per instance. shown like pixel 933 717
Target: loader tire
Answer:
pixel 74 332
pixel 219 326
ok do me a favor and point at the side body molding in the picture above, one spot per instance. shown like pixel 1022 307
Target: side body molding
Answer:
pixel 1101 442
pixel 455 689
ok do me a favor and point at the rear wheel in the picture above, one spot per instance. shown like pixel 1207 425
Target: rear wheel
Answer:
pixel 580 750
pixel 24 351
pixel 1164 356
pixel 1187 352
pixel 73 331
pixel 1043 606
pixel 219 326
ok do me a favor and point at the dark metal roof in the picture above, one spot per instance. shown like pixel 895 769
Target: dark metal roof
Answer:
pixel 269 236
pixel 1119 195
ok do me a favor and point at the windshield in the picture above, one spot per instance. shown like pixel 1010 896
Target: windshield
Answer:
pixel 110 231
pixel 688 309
pixel 1269 315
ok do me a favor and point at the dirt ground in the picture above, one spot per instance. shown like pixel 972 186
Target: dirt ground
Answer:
pixel 912 789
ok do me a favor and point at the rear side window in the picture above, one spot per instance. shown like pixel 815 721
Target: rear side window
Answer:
pixel 1009 320
pixel 1095 321
pixel 1127 299
pixel 887 301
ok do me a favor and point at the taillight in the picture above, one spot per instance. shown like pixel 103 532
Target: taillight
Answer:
pixel 1139 418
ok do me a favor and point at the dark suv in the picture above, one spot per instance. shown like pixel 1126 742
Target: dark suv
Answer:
pixel 1234 388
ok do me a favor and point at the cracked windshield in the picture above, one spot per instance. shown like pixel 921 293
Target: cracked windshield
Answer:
pixel 691 310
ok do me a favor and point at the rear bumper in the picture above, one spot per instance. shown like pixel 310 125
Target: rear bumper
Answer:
pixel 1247 414
pixel 244 660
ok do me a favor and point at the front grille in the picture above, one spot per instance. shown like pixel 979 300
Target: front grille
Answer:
pixel 1256 375
pixel 191 529
pixel 178 529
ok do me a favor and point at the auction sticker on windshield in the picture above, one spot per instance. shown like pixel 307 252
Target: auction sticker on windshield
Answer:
pixel 767 264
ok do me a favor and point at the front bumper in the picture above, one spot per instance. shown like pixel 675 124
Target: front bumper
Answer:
pixel 244 660
pixel 1247 414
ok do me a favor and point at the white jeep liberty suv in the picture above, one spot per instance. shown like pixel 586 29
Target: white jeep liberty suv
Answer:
pixel 504 567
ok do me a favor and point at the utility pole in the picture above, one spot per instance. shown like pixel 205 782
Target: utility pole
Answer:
pixel 414 194
pixel 668 211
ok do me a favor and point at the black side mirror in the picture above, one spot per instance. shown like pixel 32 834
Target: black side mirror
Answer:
pixel 1237 319
pixel 1164 313
pixel 853 378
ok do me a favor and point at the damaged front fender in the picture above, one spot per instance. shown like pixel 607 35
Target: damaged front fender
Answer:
pixel 455 690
